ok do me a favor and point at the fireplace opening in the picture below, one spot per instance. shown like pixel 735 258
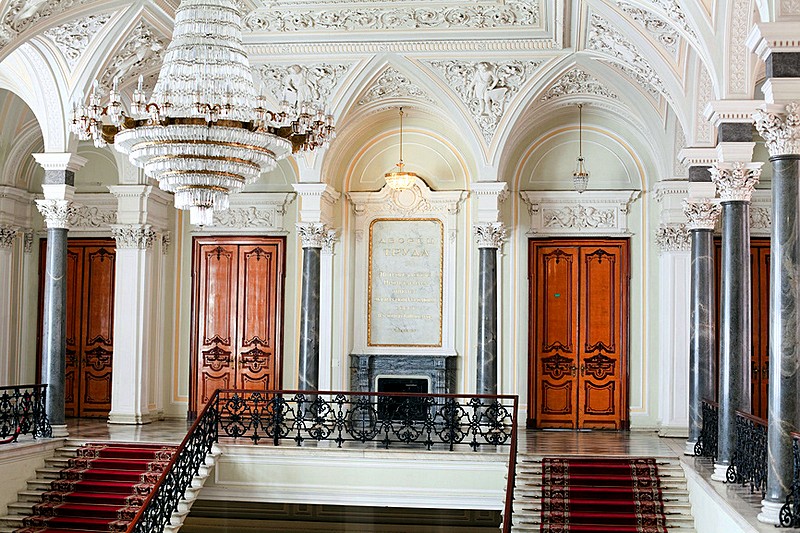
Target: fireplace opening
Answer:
pixel 402 408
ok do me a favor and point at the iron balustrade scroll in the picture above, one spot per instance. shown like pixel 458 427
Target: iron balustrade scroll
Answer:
pixel 790 512
pixel 22 412
pixel 378 417
pixel 706 445
pixel 155 512
pixel 749 460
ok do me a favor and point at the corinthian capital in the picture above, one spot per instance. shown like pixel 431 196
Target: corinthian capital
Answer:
pixel 736 181
pixel 7 234
pixel 312 234
pixel 133 236
pixel 702 213
pixel 56 213
pixel 490 234
pixel 781 131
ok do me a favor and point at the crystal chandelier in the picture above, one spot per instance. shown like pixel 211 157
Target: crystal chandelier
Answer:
pixel 580 178
pixel 400 179
pixel 204 133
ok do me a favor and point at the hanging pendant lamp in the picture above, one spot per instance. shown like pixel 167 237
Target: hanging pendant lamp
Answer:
pixel 580 178
pixel 400 179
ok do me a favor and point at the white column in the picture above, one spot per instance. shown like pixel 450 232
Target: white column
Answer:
pixel 329 377
pixel 133 301
pixel 7 352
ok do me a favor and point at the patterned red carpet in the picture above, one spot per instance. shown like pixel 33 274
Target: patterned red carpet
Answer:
pixel 601 495
pixel 102 489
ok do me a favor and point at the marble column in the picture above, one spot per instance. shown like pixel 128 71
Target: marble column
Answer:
pixel 490 237
pixel 782 134
pixel 56 213
pixel 735 183
pixel 7 352
pixel 312 236
pixel 702 215
pixel 133 307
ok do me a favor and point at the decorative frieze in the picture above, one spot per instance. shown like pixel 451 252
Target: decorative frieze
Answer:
pixel 56 213
pixel 394 84
pixel 702 213
pixel 736 181
pixel 92 217
pixel 490 235
pixel 570 213
pixel 384 16
pixel 577 81
pixel 486 87
pixel 7 235
pixel 673 238
pixel 312 234
pixel 245 217
pixel 781 131
pixel 73 38
pixel 133 236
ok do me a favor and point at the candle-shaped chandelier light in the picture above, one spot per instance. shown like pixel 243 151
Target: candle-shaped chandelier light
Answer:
pixel 400 179
pixel 580 178
pixel 204 133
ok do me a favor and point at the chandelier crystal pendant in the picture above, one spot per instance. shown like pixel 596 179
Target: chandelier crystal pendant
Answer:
pixel 580 178
pixel 400 179
pixel 204 133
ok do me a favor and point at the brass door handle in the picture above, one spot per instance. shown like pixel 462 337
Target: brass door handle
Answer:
pixel 583 370
pixel 573 370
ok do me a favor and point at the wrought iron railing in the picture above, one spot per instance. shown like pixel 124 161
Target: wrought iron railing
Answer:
pixel 706 445
pixel 431 420
pixel 22 412
pixel 512 475
pixel 790 512
pixel 749 460
pixel 171 486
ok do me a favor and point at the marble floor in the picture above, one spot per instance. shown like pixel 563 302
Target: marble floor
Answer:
pixel 629 443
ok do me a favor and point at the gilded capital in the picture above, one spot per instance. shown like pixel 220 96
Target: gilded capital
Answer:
pixel 781 131
pixel 702 213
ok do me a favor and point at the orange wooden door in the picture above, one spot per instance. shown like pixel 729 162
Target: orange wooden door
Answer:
pixel 237 307
pixel 89 325
pixel 579 334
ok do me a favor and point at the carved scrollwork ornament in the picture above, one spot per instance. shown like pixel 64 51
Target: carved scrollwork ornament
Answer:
pixel 312 234
pixel 490 235
pixel 736 181
pixel 780 131
pixel 133 236
pixel 702 213
pixel 56 213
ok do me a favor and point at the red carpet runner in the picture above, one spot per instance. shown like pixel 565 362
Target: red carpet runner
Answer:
pixel 101 490
pixel 601 495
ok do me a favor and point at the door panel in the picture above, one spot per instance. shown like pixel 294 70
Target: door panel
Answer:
pixel 579 333
pixel 237 307
pixel 73 330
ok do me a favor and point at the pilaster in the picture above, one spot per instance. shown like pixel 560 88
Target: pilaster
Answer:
pixel 8 356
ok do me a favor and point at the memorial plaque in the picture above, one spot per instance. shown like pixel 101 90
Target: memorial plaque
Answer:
pixel 405 282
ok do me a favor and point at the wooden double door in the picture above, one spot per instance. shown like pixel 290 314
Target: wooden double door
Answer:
pixel 578 333
pixel 89 327
pixel 759 357
pixel 237 308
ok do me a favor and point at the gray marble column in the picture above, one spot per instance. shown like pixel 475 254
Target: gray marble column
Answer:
pixel 312 236
pixel 735 182
pixel 490 237
pixel 54 314
pixel 702 215
pixel 783 142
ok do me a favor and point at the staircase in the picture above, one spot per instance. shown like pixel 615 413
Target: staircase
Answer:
pixel 112 483
pixel 528 494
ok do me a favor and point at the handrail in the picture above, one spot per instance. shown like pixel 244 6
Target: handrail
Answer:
pixel 706 445
pixel 753 418
pixel 22 412
pixel 749 459
pixel 159 517
pixel 508 511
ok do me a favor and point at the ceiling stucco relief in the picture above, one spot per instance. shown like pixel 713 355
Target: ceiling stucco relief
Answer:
pixel 702 127
pixel 675 14
pixel 298 83
pixel 380 16
pixel 486 87
pixel 142 51
pixel 393 84
pixel 605 39
pixel 659 29
pixel 790 8
pixel 21 14
pixel 73 38
pixel 577 81
pixel 738 51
